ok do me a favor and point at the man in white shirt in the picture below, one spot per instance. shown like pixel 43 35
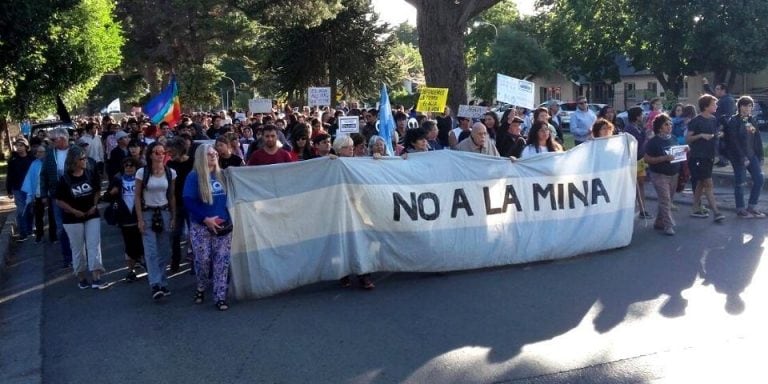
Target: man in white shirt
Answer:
pixel 95 150
pixel 581 121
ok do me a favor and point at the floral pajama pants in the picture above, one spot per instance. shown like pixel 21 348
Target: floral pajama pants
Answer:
pixel 211 251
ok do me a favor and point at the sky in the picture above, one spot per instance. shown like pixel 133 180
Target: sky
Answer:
pixel 396 11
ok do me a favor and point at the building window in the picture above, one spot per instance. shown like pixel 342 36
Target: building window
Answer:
pixel 652 88
pixel 549 93
pixel 629 90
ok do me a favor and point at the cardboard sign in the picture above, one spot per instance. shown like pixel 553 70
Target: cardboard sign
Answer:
pixel 260 105
pixel 432 100
pixel 514 91
pixel 319 96
pixel 471 111
pixel 348 124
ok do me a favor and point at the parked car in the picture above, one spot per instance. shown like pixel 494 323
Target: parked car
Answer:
pixel 566 109
pixel 50 125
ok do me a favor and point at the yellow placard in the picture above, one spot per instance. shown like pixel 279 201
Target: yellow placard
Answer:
pixel 432 99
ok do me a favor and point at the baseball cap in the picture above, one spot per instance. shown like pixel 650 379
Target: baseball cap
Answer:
pixel 120 134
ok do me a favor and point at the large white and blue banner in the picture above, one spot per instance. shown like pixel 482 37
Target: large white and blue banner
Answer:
pixel 323 219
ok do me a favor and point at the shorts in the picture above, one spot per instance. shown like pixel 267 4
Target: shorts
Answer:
pixel 701 168
pixel 641 167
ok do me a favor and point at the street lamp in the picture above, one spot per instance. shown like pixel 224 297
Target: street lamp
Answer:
pixel 234 91
pixel 481 22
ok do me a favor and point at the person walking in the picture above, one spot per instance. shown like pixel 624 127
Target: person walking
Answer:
pixel 205 198
pixel 745 151
pixel 18 167
pixel 121 191
pixel 52 170
pixel 663 171
pixel 155 206
pixel 77 195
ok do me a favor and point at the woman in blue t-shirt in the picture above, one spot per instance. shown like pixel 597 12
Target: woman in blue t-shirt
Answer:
pixel 205 198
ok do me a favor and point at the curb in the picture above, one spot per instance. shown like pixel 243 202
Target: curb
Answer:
pixel 5 243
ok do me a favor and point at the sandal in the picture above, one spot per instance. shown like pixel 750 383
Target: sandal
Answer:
pixel 222 305
pixel 199 297
pixel 366 283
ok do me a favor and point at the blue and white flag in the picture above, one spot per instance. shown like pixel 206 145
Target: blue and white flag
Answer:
pixel 386 120
pixel 114 106
pixel 322 219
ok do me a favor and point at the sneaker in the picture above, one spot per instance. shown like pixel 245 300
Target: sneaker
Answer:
pixel 21 239
pixel 98 284
pixel 719 217
pixel 705 209
pixel 743 214
pixel 669 231
pixel 755 213
pixel 131 276
pixel 83 284
pixel 165 291
pixel 645 215
pixel 157 294
pixel 700 213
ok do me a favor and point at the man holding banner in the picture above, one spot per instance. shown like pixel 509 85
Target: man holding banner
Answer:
pixel 478 142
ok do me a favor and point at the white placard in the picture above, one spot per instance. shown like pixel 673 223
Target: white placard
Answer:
pixel 260 105
pixel 319 96
pixel 471 111
pixel 514 91
pixel 348 124
pixel 679 152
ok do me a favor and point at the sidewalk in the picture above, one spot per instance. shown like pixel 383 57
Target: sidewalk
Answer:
pixel 723 181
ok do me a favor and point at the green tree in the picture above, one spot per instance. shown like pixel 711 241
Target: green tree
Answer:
pixel 189 37
pixel 353 56
pixel 671 38
pixel 441 26
pixel 59 49
pixel 515 54
pixel 406 33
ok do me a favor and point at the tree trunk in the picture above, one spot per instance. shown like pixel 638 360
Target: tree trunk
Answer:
pixel 441 26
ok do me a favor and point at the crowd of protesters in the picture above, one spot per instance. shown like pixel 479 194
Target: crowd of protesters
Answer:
pixel 164 183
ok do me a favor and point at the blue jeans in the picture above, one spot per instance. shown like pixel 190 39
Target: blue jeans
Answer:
pixel 740 180
pixel 66 251
pixel 157 248
pixel 23 213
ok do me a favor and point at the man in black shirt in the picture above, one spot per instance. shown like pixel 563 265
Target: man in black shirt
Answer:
pixel 702 130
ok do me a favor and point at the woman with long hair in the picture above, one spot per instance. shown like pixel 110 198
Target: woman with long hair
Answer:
pixel 155 206
pixel 77 194
pixel 540 141
pixel 300 147
pixel 205 197
pixel 491 122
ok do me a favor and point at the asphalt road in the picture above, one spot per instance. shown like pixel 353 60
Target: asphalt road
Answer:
pixel 683 309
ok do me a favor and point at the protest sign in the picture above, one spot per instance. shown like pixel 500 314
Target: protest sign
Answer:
pixel 432 99
pixel 514 91
pixel 319 96
pixel 421 215
pixel 471 111
pixel 260 105
pixel 679 152
pixel 348 124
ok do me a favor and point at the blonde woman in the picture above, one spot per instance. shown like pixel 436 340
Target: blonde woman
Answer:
pixel 205 198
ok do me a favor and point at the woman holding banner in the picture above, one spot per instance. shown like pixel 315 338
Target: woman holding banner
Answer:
pixel 540 141
pixel 345 147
